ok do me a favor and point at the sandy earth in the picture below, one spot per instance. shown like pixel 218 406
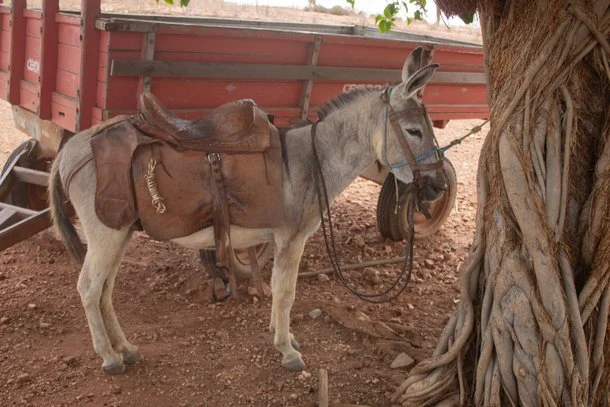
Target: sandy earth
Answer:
pixel 203 354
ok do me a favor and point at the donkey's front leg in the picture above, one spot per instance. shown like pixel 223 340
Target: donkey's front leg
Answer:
pixel 283 285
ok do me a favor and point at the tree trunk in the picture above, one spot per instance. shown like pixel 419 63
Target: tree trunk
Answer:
pixel 531 327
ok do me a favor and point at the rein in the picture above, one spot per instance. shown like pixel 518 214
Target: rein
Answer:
pixel 416 167
pixel 331 245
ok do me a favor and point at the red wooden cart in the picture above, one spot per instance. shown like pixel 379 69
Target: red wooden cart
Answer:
pixel 64 71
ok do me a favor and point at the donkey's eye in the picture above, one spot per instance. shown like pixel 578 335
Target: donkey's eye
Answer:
pixel 415 133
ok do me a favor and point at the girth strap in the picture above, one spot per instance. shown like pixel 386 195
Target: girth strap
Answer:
pixel 222 223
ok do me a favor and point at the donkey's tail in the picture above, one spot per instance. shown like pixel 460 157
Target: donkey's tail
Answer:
pixel 60 217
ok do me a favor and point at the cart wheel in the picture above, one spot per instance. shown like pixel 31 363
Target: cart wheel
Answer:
pixel 23 194
pixel 241 260
pixel 386 208
pixel 392 225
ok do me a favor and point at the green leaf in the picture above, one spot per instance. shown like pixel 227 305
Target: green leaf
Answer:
pixel 384 26
pixel 387 12
pixel 184 3
pixel 379 18
pixel 417 15
pixel 170 2
pixel 352 2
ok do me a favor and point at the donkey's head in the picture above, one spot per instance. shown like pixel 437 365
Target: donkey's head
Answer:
pixel 408 147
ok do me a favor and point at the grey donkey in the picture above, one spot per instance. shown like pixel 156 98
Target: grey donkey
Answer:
pixel 354 133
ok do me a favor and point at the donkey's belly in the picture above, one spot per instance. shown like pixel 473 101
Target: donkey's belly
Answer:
pixel 241 238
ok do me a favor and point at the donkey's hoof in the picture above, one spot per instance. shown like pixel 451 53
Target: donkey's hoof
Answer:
pixel 132 357
pixel 114 368
pixel 295 364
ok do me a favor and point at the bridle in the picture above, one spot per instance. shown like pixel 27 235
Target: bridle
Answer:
pixel 400 283
pixel 413 162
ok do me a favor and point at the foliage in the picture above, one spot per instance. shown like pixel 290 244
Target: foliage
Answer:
pixel 183 3
pixel 391 11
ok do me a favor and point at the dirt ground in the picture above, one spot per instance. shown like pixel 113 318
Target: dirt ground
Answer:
pixel 197 353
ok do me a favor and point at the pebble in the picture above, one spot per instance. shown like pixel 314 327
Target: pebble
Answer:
pixel 359 241
pixel 315 313
pixel 44 325
pixel 24 377
pixel 294 396
pixel 4 320
pixel 68 360
pixel 402 360
pixel 323 278
pixel 371 275
pixel 32 306
pixel 429 263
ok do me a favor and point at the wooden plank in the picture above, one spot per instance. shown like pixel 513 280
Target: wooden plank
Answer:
pixel 16 51
pixel 28 97
pixel 63 111
pixel 48 57
pixel 278 50
pixel 148 22
pixel 18 209
pixel 31 176
pixel 7 215
pixel 276 72
pixel 24 229
pixel 66 83
pixel 309 84
pixel 68 58
pixel 68 18
pixel 68 34
pixel 90 42
pixel 148 54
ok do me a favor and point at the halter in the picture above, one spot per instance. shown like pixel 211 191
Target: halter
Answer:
pixel 412 161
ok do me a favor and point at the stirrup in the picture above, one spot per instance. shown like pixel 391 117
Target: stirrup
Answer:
pixel 221 273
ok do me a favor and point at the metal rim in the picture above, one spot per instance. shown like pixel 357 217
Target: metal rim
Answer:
pixel 424 226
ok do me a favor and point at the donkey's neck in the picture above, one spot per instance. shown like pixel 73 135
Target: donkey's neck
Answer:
pixel 344 141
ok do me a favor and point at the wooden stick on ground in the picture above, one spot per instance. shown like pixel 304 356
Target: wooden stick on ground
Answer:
pixel 354 266
pixel 323 388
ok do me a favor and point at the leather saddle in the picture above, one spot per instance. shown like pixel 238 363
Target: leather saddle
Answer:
pixel 231 128
pixel 179 176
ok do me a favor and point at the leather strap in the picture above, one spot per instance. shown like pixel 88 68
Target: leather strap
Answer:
pixel 402 140
pixel 222 224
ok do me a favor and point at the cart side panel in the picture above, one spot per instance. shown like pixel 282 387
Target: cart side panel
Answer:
pixel 117 93
pixel 210 93
pixel 5 41
pixel 64 102
pixel 28 90
pixel 284 49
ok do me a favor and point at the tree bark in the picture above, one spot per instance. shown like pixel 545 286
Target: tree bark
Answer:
pixel 531 328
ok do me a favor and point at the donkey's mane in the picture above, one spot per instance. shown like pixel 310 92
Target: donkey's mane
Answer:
pixel 338 102
pixel 342 100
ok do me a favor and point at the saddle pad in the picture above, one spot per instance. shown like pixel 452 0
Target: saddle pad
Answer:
pixel 183 179
pixel 112 147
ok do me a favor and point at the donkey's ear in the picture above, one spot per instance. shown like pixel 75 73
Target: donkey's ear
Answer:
pixel 413 63
pixel 419 79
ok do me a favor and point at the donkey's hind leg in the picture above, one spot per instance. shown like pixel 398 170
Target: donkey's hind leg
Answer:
pixel 117 338
pixel 283 285
pixel 104 252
